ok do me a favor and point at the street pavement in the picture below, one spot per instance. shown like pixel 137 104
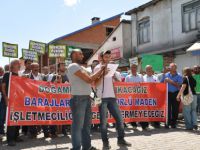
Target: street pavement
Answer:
pixel 154 139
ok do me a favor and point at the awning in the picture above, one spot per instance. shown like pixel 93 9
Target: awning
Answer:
pixel 195 49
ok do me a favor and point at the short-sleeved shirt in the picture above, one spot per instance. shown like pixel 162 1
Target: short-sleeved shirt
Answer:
pixel 177 78
pixel 6 79
pixel 78 86
pixel 197 78
pixel 150 79
pixel 192 83
pixel 105 89
pixel 135 79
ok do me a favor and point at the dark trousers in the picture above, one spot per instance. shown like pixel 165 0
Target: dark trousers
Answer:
pixel 2 116
pixel 49 129
pixel 33 130
pixel 144 125
pixel 173 108
pixel 25 129
pixel 12 133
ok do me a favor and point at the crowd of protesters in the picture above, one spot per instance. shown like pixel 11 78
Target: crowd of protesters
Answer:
pixel 81 80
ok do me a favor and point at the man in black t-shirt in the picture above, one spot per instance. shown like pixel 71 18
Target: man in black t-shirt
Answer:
pixel 12 131
pixel 61 71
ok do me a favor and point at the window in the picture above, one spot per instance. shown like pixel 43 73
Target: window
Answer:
pixel 109 30
pixel 144 31
pixel 191 16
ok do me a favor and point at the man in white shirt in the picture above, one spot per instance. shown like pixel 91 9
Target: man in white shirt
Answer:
pixel 35 75
pixel 151 78
pixel 105 90
pixel 135 78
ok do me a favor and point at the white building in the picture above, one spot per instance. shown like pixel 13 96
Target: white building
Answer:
pixel 166 27
pixel 119 42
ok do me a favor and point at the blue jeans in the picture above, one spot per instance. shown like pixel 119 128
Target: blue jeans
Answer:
pixel 111 105
pixel 2 116
pixel 81 122
pixel 190 114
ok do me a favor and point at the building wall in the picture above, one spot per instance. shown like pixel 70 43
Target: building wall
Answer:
pixel 181 37
pixel 110 44
pixel 96 34
pixel 127 43
pixel 186 60
pixel 165 27
pixel 123 42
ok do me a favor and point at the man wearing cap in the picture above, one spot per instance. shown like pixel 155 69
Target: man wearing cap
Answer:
pixel 105 90
pixel 80 103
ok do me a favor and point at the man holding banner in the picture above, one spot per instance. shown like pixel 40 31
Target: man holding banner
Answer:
pixel 174 81
pixel 12 131
pixel 151 78
pixel 81 103
pixel 134 77
pixel 35 75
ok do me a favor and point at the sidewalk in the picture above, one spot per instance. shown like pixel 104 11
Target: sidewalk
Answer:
pixel 155 139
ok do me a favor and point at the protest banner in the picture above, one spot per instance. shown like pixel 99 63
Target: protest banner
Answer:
pixel 10 50
pixel 58 51
pixel 29 54
pixel 156 61
pixel 42 103
pixel 38 47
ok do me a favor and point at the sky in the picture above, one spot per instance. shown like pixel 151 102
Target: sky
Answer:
pixel 45 20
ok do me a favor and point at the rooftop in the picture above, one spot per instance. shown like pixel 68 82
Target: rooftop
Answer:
pixel 142 7
pixel 83 29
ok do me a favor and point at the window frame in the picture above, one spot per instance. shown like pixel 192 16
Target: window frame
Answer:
pixel 144 22
pixel 110 32
pixel 189 12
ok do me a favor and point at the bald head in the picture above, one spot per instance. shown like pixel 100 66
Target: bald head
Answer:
pixel 173 68
pixel 149 70
pixel 15 66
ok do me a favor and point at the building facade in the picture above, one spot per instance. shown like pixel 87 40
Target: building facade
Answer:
pixel 166 27
pixel 119 43
pixel 91 37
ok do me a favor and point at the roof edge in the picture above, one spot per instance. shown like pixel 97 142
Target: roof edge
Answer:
pixel 142 7
pixel 123 21
pixel 95 24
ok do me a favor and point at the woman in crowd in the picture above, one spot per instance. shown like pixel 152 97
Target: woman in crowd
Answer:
pixel 189 108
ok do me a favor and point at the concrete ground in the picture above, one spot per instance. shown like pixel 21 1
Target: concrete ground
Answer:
pixel 155 139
